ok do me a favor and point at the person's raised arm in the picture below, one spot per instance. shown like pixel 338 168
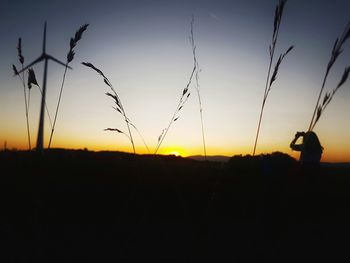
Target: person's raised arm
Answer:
pixel 297 147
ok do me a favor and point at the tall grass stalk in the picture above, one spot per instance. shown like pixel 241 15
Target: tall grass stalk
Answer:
pixel 197 86
pixel 32 81
pixel 142 138
pixel 270 79
pixel 135 128
pixel 119 107
pixel 70 56
pixel 184 96
pixel 21 60
pixel 336 51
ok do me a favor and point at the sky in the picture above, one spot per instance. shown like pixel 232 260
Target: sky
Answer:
pixel 143 48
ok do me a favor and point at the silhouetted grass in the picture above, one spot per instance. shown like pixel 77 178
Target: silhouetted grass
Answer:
pixel 336 51
pixel 21 61
pixel 118 107
pixel 269 80
pixel 70 56
pixel 184 96
pixel 32 81
pixel 197 86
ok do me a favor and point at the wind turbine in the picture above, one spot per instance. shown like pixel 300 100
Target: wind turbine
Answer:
pixel 43 57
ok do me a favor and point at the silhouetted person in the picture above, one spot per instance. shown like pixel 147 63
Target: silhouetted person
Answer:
pixel 311 149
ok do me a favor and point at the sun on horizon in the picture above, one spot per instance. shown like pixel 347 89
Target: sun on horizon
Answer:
pixel 174 152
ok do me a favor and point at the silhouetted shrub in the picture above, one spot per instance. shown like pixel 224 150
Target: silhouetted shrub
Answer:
pixel 264 164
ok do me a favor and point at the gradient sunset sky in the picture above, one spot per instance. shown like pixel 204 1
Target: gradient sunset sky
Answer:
pixel 144 50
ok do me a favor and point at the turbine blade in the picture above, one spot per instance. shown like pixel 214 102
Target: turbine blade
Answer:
pixel 31 64
pixel 57 61
pixel 44 38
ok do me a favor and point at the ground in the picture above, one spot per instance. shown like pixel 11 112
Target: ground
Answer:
pixel 65 206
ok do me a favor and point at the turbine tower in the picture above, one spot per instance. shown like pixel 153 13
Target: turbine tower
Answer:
pixel 43 57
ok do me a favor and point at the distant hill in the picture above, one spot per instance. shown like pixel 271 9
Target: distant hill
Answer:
pixel 345 165
pixel 213 158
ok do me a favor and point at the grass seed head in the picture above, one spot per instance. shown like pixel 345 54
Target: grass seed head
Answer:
pixel 80 32
pixel 15 71
pixel 70 56
pixel 325 99
pixel 113 129
pixel 90 65
pixel 73 42
pixel 19 50
pixel 344 77
pixel 31 78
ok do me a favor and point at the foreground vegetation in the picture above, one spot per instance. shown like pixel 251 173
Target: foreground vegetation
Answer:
pixel 65 206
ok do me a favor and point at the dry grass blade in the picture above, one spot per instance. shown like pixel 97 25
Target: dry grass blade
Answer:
pixel 329 96
pixel 274 74
pixel 269 80
pixel 161 135
pixel 73 42
pixel 90 65
pixel 183 97
pixel 19 51
pixel 70 56
pixel 338 44
pixel 80 32
pixel 184 91
pixel 336 51
pixel 139 133
pixel 118 110
pixel 279 61
pixel 344 78
pixel 26 101
pixel 319 113
pixel 117 130
pixel 47 109
pixel 31 79
pixel 116 99
pixel 112 96
pixel 106 81
pixel 113 129
pixel 15 71
pixel 326 98
pixel 278 18
pixel 288 50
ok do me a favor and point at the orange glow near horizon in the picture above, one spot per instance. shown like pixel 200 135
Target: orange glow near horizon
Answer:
pixel 329 155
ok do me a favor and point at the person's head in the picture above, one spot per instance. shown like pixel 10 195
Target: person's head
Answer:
pixel 311 142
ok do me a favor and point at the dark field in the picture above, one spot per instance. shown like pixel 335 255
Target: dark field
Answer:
pixel 70 206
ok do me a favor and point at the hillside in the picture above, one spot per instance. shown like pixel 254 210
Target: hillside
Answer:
pixel 109 206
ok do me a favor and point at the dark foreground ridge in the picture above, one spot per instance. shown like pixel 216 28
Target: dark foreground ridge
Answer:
pixel 70 206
